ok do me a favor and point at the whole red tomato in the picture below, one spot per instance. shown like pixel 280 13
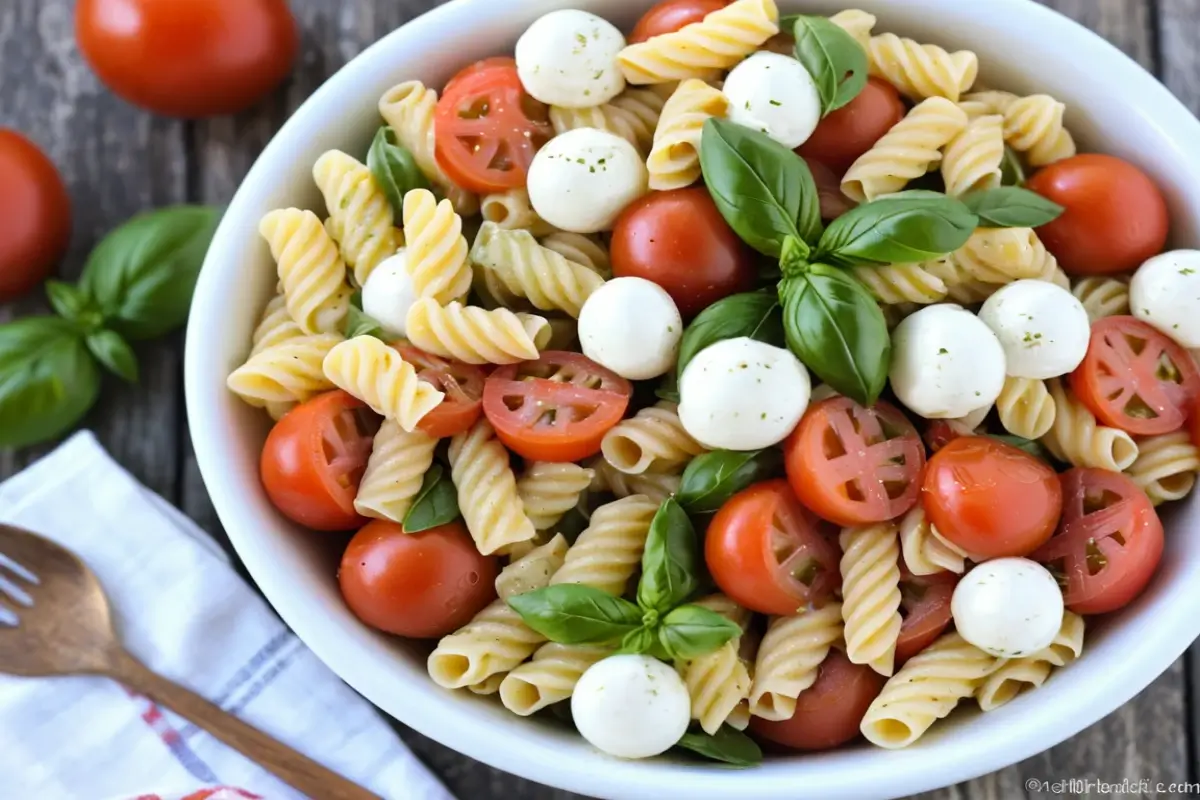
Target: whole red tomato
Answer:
pixel 36 212
pixel 671 15
pixel 844 135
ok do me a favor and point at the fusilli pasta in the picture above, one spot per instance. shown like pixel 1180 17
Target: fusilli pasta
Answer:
pixel 718 682
pixel 487 490
pixel 548 280
pixel 1016 675
pixel 534 569
pixel 1166 466
pixel 926 551
pixel 871 595
pixel 277 378
pixel 790 657
pixel 1026 408
pixel 512 211
pixel 275 326
pixel 398 463
pixel 1034 126
pixel 920 71
pixel 549 677
pixel 376 374
pixel 674 160
pixel 858 24
pixel 310 269
pixel 609 551
pixel 652 441
pixel 658 486
pixel 476 335
pixel 1076 436
pixel 549 490
pixel 1102 296
pixel 359 212
pixel 581 249
pixel 902 283
pixel 972 160
pixel 633 115
pixel 437 251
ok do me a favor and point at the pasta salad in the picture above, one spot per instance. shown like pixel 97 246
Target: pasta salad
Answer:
pixel 746 379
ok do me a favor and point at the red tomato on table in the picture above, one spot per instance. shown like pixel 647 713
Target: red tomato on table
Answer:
pixel 671 15
pixel 770 554
pixel 1115 215
pixel 36 212
pixel 925 606
pixel 188 58
pixel 845 134
pixel 314 459
pixel 854 465
pixel 420 585
pixel 1135 378
pixel 991 499
pixel 1109 543
pixel 462 385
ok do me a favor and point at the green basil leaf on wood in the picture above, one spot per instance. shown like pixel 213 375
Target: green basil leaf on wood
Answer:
pixel 114 353
pixel 670 560
pixel 1012 171
pixel 358 323
pixel 1011 207
pixel 903 228
pixel 763 190
pixel 838 64
pixel 436 503
pixel 48 380
pixel 570 613
pixel 394 168
pixel 71 302
pixel 837 329
pixel 691 631
pixel 727 745
pixel 713 478
pixel 753 314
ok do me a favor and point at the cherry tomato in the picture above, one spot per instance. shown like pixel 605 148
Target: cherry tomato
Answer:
pixel 479 66
pixel 991 499
pixel 829 712
pixel 188 58
pixel 1135 378
pixel 1115 215
pixel 770 554
pixel 829 190
pixel 941 432
pixel 1109 543
pixel 844 135
pixel 679 240
pixel 36 212
pixel 854 465
pixel 488 129
pixel 671 15
pixel 1196 423
pixel 420 585
pixel 462 384
pixel 557 408
pixel 314 459
pixel 925 606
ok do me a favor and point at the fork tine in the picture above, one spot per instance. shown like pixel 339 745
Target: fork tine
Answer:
pixel 14 592
pixel 8 617
pixel 18 570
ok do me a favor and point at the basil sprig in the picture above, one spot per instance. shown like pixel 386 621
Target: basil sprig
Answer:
pixel 1012 171
pixel 753 314
pixel 670 561
pixel 728 745
pixel 436 502
pixel 394 168
pixel 713 478
pixel 358 323
pixel 570 613
pixel 1011 207
pixel 903 228
pixel 837 63
pixel 48 379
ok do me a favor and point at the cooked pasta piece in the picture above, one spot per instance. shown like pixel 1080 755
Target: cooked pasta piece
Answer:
pixel 658 486
pixel 376 374
pixel 978 104
pixel 633 115
pixel 609 551
pixel 1026 408
pixel 549 677
pixel 512 210
pixel 910 149
pixel 718 42
pixel 926 551
pixel 487 490
pixel 398 463
pixel 1166 466
pixel 718 682
pixel 926 689
pixel 919 71
pixel 1102 296
pixel 310 269
pixel 549 490
pixel 1002 255
pixel 476 335
pixel 1018 674
pixel 960 286
pixel 1034 126
pixel 275 326
pixel 581 249
pixel 871 594
pixel 972 160
pixel 902 283
pixel 858 24
pixel 652 441
pixel 790 657
pixel 1076 437
pixel 674 160
pixel 533 569
pixel 359 212
pixel 437 251
pixel 544 277
pixel 277 378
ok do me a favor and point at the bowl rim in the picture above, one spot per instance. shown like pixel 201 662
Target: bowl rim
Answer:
pixel 430 712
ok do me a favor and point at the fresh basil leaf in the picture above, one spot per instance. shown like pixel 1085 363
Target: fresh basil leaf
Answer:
pixel 903 228
pixel 837 63
pixel 837 329
pixel 70 302
pixel 728 745
pixel 394 168
pixel 713 478
pixel 794 258
pixel 48 380
pixel 668 387
pixel 571 613
pixel 638 640
pixel 765 191
pixel 436 503
pixel 670 560
pixel 1031 446
pixel 1012 171
pixel 753 314
pixel 1011 207
pixel 142 275
pixel 358 323
pixel 114 353
pixel 690 631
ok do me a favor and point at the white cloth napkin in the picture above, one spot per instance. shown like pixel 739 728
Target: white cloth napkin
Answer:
pixel 186 614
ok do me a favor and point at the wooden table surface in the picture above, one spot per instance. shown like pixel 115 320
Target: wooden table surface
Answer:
pixel 118 160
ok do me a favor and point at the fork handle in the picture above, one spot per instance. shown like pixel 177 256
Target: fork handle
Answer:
pixel 297 770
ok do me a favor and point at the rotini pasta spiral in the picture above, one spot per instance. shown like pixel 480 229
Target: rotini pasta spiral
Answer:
pixel 550 676
pixel 657 486
pixel 674 160
pixel 549 490
pixel 652 441
pixel 526 269
pixel 437 251
pixel 476 335
pixel 920 71
pixel 282 376
pixel 960 286
pixel 926 551
pixel 581 249
pixel 871 595
pixel 718 682
pixel 902 283
pixel 1076 436
pixel 487 490
pixel 310 269
pixel 512 210
pixel 1003 255
pixel 858 24
pixel 633 115
pixel 1026 408
pixel 978 104
pixel 1034 126
pixel 359 212
pixel 534 569
pixel 398 463
pixel 1102 296
pixel 1018 674
pixel 1166 466
pixel 972 160
pixel 377 374
pixel 790 657
pixel 275 326
pixel 609 551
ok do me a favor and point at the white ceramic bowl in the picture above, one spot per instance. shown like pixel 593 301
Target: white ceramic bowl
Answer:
pixel 1116 108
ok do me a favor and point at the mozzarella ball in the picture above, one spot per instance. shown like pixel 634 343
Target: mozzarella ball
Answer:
pixel 631 706
pixel 945 362
pixel 742 394
pixel 1165 292
pixel 582 181
pixel 388 294
pixel 1009 607
pixel 1043 328
pixel 569 58
pixel 774 94
pixel 631 326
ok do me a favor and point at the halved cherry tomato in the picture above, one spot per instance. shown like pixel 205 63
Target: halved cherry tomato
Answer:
pixel 991 499
pixel 36 211
pixel 462 384
pixel 925 606
pixel 557 408
pixel 1109 543
pixel 1135 378
pixel 829 712
pixel 314 459
pixel 420 585
pixel 671 15
pixel 769 553
pixel 854 465
pixel 844 135
pixel 488 129
pixel 479 66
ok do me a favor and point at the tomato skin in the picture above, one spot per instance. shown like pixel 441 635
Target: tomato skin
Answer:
pixel 36 211
pixel 845 134
pixel 990 498
pixel 679 240
pixel 926 608
pixel 420 585
pixel 188 58
pixel 462 384
pixel 671 15
pixel 1196 422
pixel 1115 218
pixel 479 66
pixel 829 712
